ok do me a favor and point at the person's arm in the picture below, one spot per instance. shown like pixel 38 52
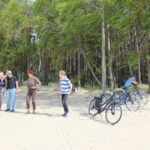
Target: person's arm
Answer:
pixel 17 86
pixel 134 82
pixel 38 81
pixel 70 84
pixel 5 81
pixel 70 87
pixel 25 82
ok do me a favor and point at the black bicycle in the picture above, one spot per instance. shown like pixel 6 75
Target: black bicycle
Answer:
pixel 107 103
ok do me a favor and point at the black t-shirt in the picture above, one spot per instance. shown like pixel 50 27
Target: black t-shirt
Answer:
pixel 11 82
pixel 2 84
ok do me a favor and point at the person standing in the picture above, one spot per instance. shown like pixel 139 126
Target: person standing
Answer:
pixel 66 88
pixel 32 90
pixel 12 89
pixel 2 85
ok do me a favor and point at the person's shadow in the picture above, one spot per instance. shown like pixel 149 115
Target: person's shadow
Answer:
pixel 38 114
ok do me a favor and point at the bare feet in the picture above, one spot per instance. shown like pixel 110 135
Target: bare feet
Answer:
pixel 28 112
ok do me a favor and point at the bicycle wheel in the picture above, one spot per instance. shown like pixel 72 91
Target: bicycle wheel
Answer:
pixel 143 98
pixel 93 108
pixel 113 113
pixel 132 103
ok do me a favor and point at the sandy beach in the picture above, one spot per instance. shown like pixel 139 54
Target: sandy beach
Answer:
pixel 48 130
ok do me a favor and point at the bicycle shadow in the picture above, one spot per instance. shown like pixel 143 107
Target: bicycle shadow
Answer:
pixel 96 119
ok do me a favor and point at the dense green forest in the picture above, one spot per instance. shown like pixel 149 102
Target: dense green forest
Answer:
pixel 97 42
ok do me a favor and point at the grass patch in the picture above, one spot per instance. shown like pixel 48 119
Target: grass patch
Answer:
pixel 143 87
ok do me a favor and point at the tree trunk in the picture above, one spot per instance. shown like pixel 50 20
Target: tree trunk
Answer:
pixel 74 64
pixel 40 63
pixel 110 62
pixel 79 64
pixel 92 72
pixel 103 53
pixel 130 69
pixel 90 68
pixel 139 61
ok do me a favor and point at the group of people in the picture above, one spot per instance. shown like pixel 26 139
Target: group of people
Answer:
pixel 9 83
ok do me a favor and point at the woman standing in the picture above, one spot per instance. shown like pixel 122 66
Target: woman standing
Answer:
pixel 32 90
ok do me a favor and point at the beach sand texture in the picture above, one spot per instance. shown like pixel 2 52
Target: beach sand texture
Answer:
pixel 48 130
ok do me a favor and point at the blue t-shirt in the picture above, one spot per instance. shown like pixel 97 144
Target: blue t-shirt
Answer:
pixel 129 82
pixel 65 85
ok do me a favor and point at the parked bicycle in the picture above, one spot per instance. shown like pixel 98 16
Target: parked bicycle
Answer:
pixel 141 95
pixel 107 103
pixel 131 101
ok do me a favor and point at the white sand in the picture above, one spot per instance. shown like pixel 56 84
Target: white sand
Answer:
pixel 48 130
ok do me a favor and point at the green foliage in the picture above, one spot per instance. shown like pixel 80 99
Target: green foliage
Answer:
pixel 62 28
pixel 131 59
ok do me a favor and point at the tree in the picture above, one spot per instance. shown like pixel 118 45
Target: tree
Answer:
pixel 97 42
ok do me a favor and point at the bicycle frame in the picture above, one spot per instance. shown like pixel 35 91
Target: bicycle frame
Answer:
pixel 126 93
pixel 136 90
pixel 109 101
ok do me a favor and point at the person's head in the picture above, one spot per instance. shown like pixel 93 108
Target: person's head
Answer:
pixel 1 75
pixel 62 73
pixel 9 73
pixel 30 73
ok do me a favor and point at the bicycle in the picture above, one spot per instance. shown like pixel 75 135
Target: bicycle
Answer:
pixel 113 110
pixel 131 101
pixel 141 95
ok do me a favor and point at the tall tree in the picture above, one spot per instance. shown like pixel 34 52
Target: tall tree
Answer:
pixel 103 50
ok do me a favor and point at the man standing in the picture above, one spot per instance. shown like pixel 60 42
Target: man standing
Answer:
pixel 12 88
